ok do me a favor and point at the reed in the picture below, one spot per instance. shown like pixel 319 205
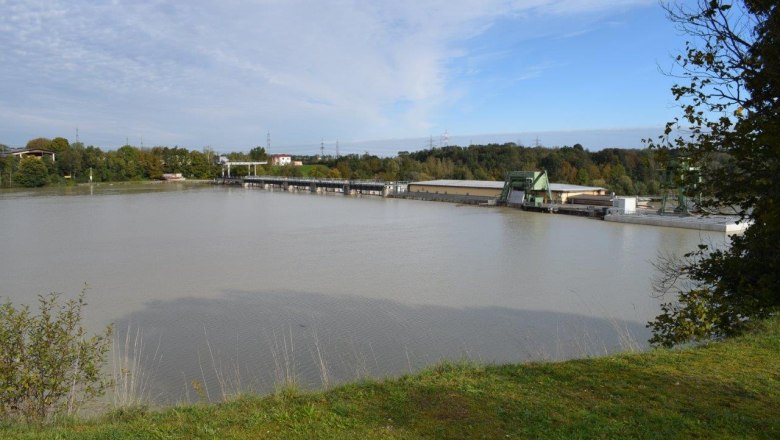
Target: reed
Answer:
pixel 227 373
pixel 132 369
pixel 319 360
pixel 222 377
pixel 283 355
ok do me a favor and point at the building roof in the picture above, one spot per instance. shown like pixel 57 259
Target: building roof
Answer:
pixel 565 187
pixel 463 183
pixel 557 187
pixel 28 151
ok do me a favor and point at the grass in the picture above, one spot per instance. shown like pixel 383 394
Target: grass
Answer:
pixel 724 390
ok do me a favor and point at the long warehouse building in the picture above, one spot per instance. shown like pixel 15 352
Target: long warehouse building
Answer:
pixel 561 192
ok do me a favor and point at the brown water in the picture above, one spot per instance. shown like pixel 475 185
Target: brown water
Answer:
pixel 247 284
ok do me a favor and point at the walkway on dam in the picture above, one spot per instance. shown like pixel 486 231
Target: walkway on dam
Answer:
pixel 346 186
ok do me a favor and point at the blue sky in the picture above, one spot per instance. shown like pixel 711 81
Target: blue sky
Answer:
pixel 378 76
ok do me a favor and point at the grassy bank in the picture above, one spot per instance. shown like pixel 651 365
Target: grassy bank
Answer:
pixel 721 390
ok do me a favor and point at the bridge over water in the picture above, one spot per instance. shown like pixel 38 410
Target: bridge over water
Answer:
pixel 345 186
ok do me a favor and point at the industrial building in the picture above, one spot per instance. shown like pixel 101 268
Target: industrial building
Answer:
pixel 31 152
pixel 561 192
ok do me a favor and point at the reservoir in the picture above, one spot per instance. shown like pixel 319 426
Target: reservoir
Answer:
pixel 233 289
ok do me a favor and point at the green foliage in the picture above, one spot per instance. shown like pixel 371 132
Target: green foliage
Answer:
pixel 318 171
pixel 8 166
pixel 287 171
pixel 258 154
pixel 48 365
pixel 76 162
pixel 32 172
pixel 39 144
pixel 731 110
pixel 59 144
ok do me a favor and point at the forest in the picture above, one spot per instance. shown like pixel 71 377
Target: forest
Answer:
pixel 620 170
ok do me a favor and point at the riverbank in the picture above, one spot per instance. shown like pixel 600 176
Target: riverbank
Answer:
pixel 728 389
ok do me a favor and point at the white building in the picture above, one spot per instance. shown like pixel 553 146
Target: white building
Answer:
pixel 281 159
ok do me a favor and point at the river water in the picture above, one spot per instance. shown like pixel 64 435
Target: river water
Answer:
pixel 244 289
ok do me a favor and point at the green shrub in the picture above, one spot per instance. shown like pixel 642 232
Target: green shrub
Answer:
pixel 48 365
pixel 32 172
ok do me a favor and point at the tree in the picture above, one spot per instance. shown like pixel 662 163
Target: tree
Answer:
pixel 730 108
pixel 95 162
pixel 126 163
pixel 39 144
pixel 32 172
pixel 200 165
pixel 318 171
pixel 583 177
pixel 59 144
pixel 69 159
pixel 258 154
pixel 48 365
pixel 6 165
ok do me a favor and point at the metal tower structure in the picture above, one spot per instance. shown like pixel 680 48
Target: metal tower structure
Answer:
pixel 445 139
pixel 530 185
pixel 680 181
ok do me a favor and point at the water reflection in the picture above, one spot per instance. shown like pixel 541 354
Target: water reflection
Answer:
pixel 255 340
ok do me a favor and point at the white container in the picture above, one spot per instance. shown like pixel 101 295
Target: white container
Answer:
pixel 625 205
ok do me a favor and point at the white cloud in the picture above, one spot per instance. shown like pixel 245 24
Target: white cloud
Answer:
pixel 221 73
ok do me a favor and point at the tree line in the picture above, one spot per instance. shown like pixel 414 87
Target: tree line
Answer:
pixel 620 170
pixel 74 162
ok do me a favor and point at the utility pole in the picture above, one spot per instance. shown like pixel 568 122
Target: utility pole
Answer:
pixel 322 148
pixel 268 143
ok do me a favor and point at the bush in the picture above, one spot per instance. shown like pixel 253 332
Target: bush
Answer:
pixel 48 366
pixel 32 172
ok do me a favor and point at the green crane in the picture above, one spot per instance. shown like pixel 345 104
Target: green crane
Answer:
pixel 680 181
pixel 531 183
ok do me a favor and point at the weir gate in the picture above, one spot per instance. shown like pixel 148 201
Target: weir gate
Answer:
pixel 345 186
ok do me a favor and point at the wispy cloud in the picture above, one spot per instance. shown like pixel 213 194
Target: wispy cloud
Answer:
pixel 223 73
